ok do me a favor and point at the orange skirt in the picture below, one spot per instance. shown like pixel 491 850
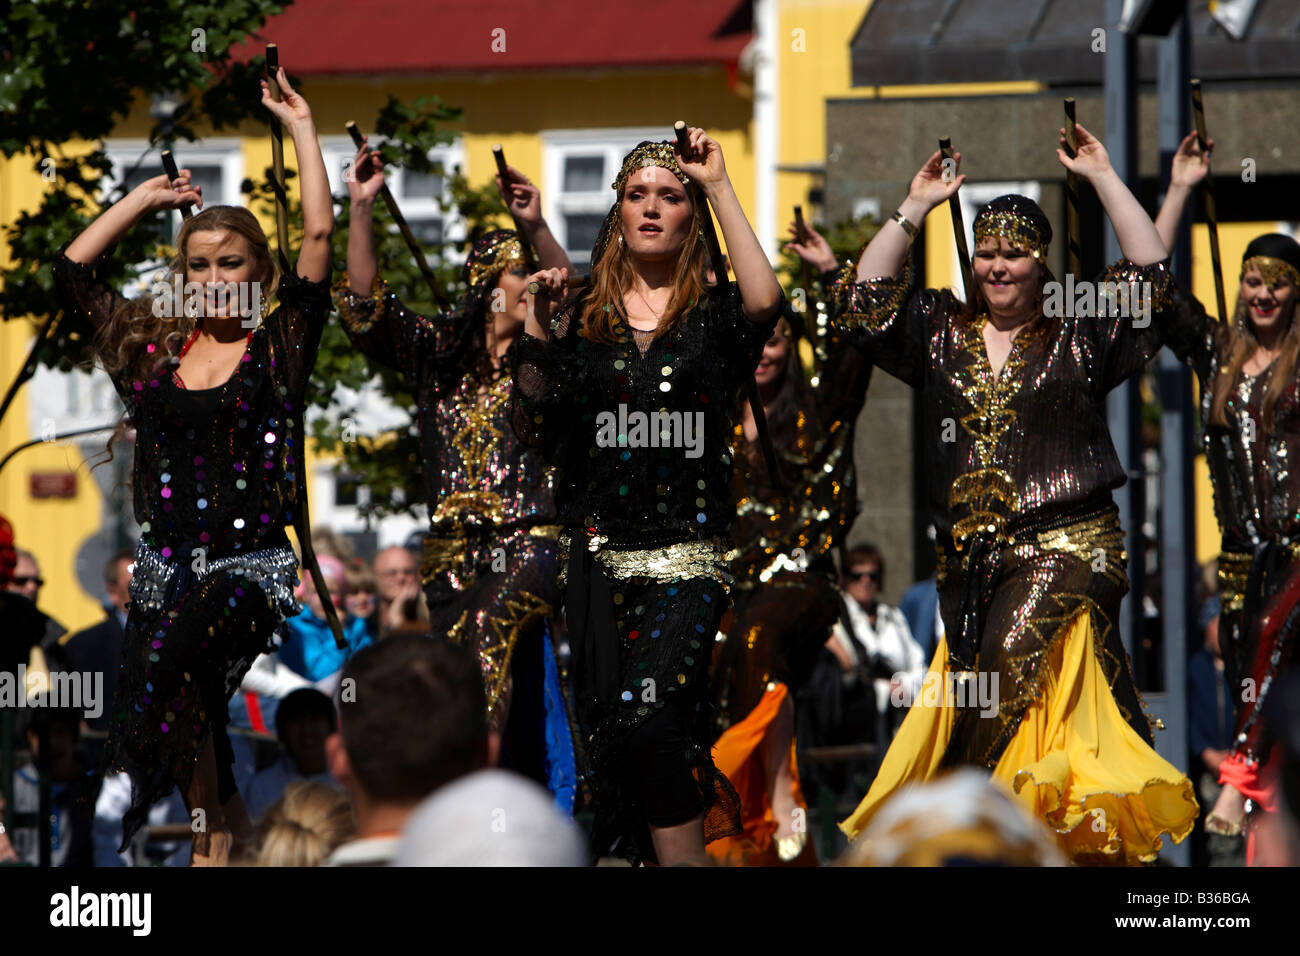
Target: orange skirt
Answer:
pixel 738 754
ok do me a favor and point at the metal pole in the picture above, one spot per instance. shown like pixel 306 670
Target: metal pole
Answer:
pixel 1125 403
pixel 1177 448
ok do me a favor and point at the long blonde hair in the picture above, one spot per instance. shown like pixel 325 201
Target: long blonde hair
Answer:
pixel 613 274
pixel 306 825
pixel 122 343
pixel 1241 345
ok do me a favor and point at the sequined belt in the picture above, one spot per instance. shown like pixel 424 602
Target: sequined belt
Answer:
pixel 1079 531
pixel 443 553
pixel 1242 574
pixel 158 582
pixel 675 560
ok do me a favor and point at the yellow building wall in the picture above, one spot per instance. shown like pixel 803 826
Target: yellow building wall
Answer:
pixel 52 529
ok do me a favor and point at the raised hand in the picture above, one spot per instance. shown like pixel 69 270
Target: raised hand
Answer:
pixel 163 193
pixel 522 198
pixel 936 181
pixel 816 251
pixel 553 288
pixel 1090 157
pixel 1190 165
pixel 366 177
pixel 703 161
pixel 292 110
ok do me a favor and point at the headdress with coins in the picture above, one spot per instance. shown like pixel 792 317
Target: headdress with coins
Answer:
pixel 494 253
pixel 646 153
pixel 1274 256
pixel 1019 220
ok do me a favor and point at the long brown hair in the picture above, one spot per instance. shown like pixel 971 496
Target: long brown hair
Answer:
pixel 122 343
pixel 612 275
pixel 1241 345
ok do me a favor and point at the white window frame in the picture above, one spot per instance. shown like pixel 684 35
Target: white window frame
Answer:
pixel 613 143
pixel 338 151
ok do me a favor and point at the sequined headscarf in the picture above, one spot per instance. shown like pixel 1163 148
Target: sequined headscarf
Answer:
pixel 1019 220
pixel 1274 256
pixel 645 153
pixel 494 253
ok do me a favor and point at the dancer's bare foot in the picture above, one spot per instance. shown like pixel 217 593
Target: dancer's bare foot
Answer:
pixel 1229 813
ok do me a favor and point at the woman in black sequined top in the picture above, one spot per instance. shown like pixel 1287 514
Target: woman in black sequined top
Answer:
pixel 216 400
pixel 630 393
pixel 489 567
pixel 1032 681
pixel 1248 367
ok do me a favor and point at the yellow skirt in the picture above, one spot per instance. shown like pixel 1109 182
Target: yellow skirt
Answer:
pixel 1074 761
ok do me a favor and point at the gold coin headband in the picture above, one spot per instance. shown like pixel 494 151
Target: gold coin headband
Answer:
pixel 503 253
pixel 1272 270
pixel 649 154
pixel 1019 230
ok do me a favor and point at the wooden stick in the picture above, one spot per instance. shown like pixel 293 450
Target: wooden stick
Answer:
pixel 169 167
pixel 277 160
pixel 530 257
pixel 302 524
pixel 573 282
pixel 1073 248
pixel 959 230
pixel 413 244
pixel 1211 210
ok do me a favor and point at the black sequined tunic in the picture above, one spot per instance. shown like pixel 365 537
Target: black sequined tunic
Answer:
pixel 1257 501
pixel 785 597
pixel 489 568
pixel 647 502
pixel 1021 469
pixel 214 484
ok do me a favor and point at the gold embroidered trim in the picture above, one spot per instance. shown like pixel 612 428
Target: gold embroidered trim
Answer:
pixel 497 637
pixel 1271 270
pixel 358 312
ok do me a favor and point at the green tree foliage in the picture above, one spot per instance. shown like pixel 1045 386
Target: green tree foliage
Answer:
pixel 81 68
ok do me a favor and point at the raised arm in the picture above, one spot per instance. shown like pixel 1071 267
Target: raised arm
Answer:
pixel 114 223
pixel 314 189
pixel 524 200
pixel 364 184
pixel 933 184
pixel 760 292
pixel 1138 239
pixel 1188 168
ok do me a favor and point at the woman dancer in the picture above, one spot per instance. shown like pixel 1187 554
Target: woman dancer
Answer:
pixel 489 564
pixel 631 392
pixel 216 400
pixel 785 597
pixel 1031 681
pixel 1250 402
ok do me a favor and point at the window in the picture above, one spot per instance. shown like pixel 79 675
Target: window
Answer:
pixel 418 195
pixel 580 165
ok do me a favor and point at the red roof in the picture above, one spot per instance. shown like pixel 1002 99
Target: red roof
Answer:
pixel 456 36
